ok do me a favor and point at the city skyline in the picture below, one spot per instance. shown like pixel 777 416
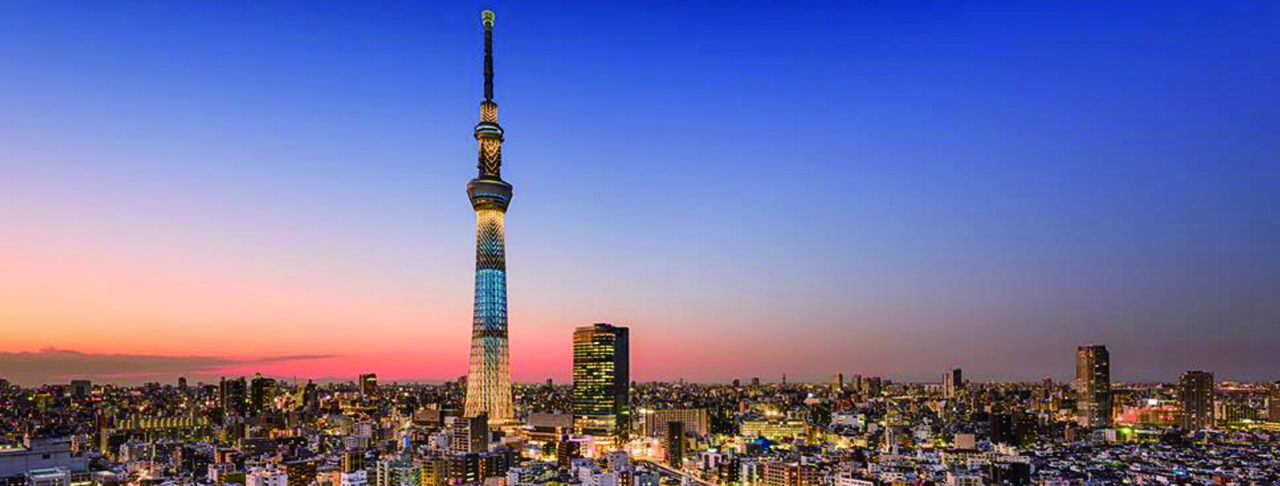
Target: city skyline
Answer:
pixel 291 209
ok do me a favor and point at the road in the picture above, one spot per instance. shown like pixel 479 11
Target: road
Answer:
pixel 669 470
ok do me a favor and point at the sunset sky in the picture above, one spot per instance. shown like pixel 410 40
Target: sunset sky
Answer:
pixel 885 188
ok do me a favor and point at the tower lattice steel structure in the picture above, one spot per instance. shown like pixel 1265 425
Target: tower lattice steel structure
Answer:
pixel 489 377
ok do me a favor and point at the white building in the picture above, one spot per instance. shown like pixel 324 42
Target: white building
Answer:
pixel 849 478
pixel 54 476
pixel 266 477
pixel 358 478
pixel 40 453
pixel 954 479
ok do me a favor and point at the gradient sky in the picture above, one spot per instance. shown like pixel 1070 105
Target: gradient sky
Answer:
pixel 755 188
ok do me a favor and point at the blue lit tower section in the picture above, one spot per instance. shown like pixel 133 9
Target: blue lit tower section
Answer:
pixel 489 377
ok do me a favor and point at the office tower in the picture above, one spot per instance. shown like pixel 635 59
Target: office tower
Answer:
pixel 602 380
pixel 369 385
pixel 262 392
pixel 489 376
pixel 1093 386
pixel 1273 403
pixel 310 397
pixel 80 388
pixel 837 382
pixel 873 386
pixel 1003 429
pixel 1195 393
pixel 952 382
pixel 567 450
pixel 233 396
pixel 674 444
pixel 469 434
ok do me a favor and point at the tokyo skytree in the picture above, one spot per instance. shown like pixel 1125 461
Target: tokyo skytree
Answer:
pixel 489 377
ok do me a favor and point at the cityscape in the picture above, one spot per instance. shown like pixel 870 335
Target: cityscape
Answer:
pixel 190 419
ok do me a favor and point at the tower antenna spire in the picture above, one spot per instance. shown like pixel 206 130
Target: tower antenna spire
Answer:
pixel 486 18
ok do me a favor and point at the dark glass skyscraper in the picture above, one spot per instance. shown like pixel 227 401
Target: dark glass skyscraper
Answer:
pixel 233 396
pixel 262 392
pixel 1093 386
pixel 602 380
pixel 952 382
pixel 368 385
pixel 673 444
pixel 1195 393
pixel 489 376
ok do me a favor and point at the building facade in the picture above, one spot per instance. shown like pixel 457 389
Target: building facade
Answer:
pixel 602 380
pixel 952 383
pixel 469 435
pixel 1093 386
pixel 1195 394
pixel 368 385
pixel 695 420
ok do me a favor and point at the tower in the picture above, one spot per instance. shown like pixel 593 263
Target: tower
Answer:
pixel 489 376
pixel 1093 386
pixel 368 385
pixel 602 380
pixel 1195 394
pixel 952 382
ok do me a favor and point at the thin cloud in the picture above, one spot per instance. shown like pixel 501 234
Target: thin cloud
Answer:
pixel 52 365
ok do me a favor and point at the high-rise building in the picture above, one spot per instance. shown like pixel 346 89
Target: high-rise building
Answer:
pixel 369 385
pixel 1093 386
pixel 469 434
pixel 80 388
pixel 233 396
pixel 952 383
pixel 567 450
pixel 602 380
pixel 873 385
pixel 1273 403
pixel 1195 393
pixel 489 376
pixel 262 392
pixel 673 445
pixel 310 397
pixel 837 383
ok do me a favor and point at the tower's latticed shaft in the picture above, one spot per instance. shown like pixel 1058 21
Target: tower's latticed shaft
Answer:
pixel 489 378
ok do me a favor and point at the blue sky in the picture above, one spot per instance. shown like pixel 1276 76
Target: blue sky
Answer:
pixel 889 188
